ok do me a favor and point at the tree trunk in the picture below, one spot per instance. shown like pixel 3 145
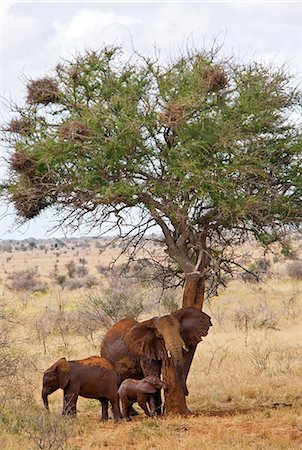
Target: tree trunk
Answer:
pixel 175 400
pixel 193 294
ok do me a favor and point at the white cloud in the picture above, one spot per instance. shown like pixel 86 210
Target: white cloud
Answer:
pixel 89 28
pixel 91 20
pixel 171 25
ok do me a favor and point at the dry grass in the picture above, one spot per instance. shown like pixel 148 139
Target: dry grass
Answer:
pixel 245 381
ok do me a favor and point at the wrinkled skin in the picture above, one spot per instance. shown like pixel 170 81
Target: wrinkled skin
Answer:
pixel 93 377
pixel 141 391
pixel 137 349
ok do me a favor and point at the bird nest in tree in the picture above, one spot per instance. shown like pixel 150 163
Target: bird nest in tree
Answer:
pixel 74 130
pixel 21 161
pixel 173 114
pixel 75 72
pixel 29 202
pixel 44 90
pixel 215 78
pixel 21 126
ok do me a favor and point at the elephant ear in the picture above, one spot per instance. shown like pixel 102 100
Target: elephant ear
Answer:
pixel 63 369
pixel 143 341
pixel 146 388
pixel 193 325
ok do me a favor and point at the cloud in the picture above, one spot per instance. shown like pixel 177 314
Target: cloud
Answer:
pixel 89 28
pixel 91 20
pixel 171 25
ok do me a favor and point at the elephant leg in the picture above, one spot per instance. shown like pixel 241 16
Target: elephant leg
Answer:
pixel 126 407
pixel 104 402
pixel 115 409
pixel 143 405
pixel 133 412
pixel 151 405
pixel 70 403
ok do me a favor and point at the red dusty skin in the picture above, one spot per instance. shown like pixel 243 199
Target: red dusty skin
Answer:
pixel 174 346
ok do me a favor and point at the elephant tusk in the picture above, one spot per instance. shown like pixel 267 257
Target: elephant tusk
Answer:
pixel 169 354
pixel 185 348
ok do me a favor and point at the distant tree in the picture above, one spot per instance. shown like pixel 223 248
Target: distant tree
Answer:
pixel 207 149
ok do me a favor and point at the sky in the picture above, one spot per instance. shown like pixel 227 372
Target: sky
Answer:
pixel 36 34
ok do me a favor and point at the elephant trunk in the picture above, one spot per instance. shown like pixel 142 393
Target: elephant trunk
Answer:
pixel 45 398
pixel 174 348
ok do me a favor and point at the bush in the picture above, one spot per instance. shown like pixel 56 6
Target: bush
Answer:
pixel 294 270
pixel 170 301
pixel 260 317
pixel 256 271
pixel 120 299
pixel 101 269
pixel 26 280
pixel 71 267
pixel 81 271
pixel 43 430
pixel 77 283
pixel 12 360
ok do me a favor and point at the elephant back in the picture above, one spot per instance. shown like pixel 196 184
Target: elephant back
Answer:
pixel 114 349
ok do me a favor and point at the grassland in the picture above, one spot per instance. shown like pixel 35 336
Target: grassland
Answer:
pixel 245 382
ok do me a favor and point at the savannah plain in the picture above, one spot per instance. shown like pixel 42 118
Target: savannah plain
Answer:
pixel 245 384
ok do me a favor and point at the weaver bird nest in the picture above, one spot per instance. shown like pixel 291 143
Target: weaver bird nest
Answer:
pixel 215 78
pixel 22 162
pixel 20 126
pixel 44 90
pixel 74 130
pixel 173 114
pixel 29 202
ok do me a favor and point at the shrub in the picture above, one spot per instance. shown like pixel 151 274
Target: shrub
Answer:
pixel 294 270
pixel 26 280
pixel 81 271
pixel 77 283
pixel 260 317
pixel 101 269
pixel 120 299
pixel 256 271
pixel 71 268
pixel 170 301
pixel 43 430
pixel 260 356
pixel 10 356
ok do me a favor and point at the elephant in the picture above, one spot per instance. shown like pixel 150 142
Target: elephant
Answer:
pixel 141 391
pixel 93 377
pixel 137 350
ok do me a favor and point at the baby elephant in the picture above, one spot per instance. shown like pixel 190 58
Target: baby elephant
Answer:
pixel 93 377
pixel 141 391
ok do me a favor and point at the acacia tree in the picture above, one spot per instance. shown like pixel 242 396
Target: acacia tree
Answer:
pixel 205 149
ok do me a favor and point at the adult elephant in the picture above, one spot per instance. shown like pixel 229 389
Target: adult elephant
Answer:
pixel 137 350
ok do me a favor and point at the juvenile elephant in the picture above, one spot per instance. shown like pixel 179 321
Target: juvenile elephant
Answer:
pixel 93 377
pixel 141 391
pixel 136 350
